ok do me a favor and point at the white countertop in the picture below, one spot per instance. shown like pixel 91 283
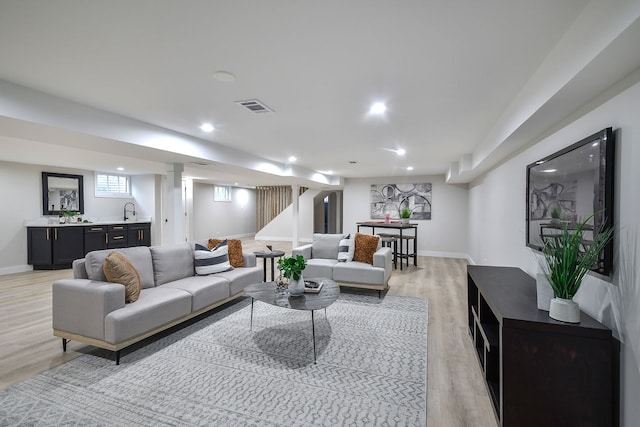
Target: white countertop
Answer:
pixel 53 222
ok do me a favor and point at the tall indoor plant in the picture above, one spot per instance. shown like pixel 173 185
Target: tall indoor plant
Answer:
pixel 568 258
pixel 291 268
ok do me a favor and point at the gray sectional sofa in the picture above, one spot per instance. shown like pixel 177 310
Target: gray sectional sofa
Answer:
pixel 91 310
pixel 322 261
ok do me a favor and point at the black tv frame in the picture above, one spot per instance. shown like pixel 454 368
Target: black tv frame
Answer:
pixel 603 203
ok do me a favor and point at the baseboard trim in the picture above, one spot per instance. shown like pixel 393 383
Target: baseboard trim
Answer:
pixel 15 269
pixel 443 254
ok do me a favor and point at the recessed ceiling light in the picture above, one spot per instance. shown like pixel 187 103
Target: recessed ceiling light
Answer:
pixel 224 76
pixel 410 168
pixel 235 183
pixel 120 168
pixel 378 108
pixel 401 152
pixel 550 170
pixel 207 127
pixel 292 159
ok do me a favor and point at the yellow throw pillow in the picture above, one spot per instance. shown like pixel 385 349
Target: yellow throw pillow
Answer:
pixel 235 250
pixel 365 246
pixel 118 269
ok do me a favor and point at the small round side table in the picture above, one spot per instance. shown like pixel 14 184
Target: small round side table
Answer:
pixel 272 255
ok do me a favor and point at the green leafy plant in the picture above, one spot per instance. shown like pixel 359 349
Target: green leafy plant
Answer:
pixel 555 212
pixel 292 266
pixel 405 212
pixel 568 257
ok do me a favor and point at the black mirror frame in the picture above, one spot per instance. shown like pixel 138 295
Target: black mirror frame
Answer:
pixel 45 192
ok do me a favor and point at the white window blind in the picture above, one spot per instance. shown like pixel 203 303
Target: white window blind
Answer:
pixel 108 185
pixel 221 193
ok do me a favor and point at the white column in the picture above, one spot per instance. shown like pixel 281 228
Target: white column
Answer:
pixel 188 209
pixel 295 210
pixel 174 229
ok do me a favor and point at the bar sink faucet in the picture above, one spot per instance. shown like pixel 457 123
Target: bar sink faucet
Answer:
pixel 132 211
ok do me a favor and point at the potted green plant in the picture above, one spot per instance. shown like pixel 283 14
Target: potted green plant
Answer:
pixel 291 268
pixel 405 214
pixel 568 257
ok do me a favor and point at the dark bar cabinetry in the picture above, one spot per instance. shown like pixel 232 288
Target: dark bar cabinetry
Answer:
pixel 95 238
pixel 139 234
pixel 538 371
pixel 51 246
pixel 117 236
pixel 56 246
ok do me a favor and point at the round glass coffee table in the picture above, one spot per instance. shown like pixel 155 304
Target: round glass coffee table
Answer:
pixel 266 292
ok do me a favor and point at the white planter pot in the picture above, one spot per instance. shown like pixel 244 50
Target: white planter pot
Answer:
pixel 405 220
pixel 564 310
pixel 544 292
pixel 296 287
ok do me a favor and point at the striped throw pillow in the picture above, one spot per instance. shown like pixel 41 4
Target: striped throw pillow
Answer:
pixel 211 261
pixel 345 250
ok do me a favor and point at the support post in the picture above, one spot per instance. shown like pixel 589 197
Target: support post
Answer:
pixel 295 211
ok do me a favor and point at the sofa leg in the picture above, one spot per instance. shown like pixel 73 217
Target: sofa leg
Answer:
pixel 117 357
pixel 64 344
pixel 379 294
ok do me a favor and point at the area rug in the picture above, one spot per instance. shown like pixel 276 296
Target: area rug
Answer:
pixel 371 370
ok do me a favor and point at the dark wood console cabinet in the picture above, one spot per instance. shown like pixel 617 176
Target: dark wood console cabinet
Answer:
pixel 538 371
pixel 57 246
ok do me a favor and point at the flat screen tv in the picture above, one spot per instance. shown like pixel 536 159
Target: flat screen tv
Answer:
pixel 568 187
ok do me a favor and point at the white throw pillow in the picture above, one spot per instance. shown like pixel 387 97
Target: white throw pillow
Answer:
pixel 345 250
pixel 211 261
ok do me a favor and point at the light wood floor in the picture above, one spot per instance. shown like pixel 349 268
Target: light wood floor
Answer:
pixel 456 392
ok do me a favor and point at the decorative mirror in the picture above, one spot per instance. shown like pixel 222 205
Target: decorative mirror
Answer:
pixel 62 190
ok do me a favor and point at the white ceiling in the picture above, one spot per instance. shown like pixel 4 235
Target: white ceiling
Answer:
pixel 448 70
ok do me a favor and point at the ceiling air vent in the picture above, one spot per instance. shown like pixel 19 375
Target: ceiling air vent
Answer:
pixel 255 106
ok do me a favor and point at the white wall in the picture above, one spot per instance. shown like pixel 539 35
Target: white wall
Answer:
pixel 223 219
pixel 22 186
pixel 444 235
pixel 497 229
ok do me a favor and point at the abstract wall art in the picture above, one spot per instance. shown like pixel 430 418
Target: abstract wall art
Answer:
pixel 390 198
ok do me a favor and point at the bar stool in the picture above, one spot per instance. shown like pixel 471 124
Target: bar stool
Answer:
pixel 404 254
pixel 391 241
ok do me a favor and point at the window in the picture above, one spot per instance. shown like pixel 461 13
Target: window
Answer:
pixel 221 193
pixel 108 185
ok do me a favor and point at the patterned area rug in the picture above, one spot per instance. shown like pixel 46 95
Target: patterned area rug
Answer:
pixel 371 370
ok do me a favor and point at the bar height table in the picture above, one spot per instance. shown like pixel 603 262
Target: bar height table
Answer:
pixel 396 226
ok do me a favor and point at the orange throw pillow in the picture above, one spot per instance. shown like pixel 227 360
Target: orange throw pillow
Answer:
pixel 235 250
pixel 118 269
pixel 365 246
